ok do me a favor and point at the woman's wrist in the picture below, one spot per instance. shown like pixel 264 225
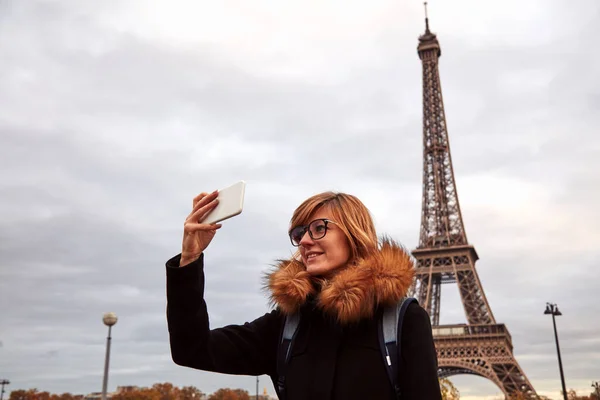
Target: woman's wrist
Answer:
pixel 187 259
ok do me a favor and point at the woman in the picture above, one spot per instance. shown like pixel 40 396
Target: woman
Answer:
pixel 338 281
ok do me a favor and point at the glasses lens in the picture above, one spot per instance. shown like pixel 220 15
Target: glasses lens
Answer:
pixel 296 234
pixel 318 229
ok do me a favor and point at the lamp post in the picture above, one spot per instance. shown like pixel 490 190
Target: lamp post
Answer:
pixel 553 310
pixel 109 320
pixel 3 382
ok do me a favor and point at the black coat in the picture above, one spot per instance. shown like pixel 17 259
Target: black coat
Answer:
pixel 328 361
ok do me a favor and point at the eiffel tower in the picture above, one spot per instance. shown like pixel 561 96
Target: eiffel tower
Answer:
pixel 481 347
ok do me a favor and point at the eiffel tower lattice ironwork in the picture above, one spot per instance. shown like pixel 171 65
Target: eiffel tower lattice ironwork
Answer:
pixel 482 346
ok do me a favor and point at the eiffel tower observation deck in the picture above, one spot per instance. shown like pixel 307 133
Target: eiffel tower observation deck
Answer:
pixel 481 347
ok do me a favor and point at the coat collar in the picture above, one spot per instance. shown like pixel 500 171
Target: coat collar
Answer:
pixel 380 279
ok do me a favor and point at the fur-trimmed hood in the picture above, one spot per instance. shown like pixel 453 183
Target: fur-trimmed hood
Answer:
pixel 353 293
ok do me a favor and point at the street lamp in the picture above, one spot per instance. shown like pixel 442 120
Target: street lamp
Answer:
pixel 3 382
pixel 109 320
pixel 553 310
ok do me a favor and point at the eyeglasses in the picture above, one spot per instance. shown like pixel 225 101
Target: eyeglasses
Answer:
pixel 316 230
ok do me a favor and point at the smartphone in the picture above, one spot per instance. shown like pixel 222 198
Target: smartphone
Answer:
pixel 231 203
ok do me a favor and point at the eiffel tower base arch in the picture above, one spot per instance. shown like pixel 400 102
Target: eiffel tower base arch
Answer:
pixel 482 350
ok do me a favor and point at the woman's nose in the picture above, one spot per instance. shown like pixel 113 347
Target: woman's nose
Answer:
pixel 306 239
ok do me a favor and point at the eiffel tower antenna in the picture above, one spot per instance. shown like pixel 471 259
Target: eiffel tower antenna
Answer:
pixel 426 19
pixel 482 346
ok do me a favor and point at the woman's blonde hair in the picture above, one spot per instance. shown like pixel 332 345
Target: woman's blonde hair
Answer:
pixel 349 213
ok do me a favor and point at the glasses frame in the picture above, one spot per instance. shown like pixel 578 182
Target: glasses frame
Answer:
pixel 306 228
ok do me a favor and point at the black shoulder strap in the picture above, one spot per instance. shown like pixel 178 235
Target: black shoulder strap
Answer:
pixel 390 335
pixel 290 328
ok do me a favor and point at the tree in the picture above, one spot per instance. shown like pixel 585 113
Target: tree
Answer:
pixel 31 394
pixel 572 395
pixel 230 394
pixel 166 391
pixel 19 395
pixel 65 396
pixel 190 393
pixel 159 391
pixel 138 394
pixel 449 391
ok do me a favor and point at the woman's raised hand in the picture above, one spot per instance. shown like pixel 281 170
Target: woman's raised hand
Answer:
pixel 196 235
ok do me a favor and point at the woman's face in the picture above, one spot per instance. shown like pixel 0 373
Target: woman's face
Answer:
pixel 324 256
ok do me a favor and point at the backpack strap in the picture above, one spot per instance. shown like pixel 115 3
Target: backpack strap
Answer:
pixel 390 335
pixel 290 328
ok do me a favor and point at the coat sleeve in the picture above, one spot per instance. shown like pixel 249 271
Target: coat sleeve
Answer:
pixel 418 372
pixel 248 349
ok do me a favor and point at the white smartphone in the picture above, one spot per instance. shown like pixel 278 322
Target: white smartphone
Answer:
pixel 231 203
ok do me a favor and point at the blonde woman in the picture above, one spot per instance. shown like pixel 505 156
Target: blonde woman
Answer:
pixel 337 284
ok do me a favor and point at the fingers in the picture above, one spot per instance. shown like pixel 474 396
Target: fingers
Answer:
pixel 207 197
pixel 201 212
pixel 202 200
pixel 191 227
pixel 198 198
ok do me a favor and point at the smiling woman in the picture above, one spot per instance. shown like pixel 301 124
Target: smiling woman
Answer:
pixel 336 285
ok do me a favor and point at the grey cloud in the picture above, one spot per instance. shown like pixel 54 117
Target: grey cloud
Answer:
pixel 104 136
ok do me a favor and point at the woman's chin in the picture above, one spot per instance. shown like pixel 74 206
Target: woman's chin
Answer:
pixel 320 270
pixel 316 269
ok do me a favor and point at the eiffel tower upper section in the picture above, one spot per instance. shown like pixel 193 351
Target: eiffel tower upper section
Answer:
pixel 444 254
pixel 441 218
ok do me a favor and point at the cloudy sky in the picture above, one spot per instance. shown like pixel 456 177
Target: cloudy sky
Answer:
pixel 115 114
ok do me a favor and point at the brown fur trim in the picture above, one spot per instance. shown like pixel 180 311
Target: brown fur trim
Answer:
pixel 290 286
pixel 394 274
pixel 353 293
pixel 348 296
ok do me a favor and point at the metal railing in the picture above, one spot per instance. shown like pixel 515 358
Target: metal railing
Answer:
pixel 471 330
